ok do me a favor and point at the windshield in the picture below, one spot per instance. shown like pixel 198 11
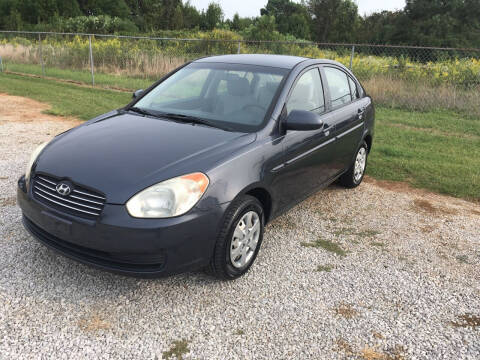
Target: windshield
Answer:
pixel 226 95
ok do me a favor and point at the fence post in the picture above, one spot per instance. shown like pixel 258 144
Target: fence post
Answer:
pixel 91 59
pixel 1 65
pixel 41 54
pixel 239 47
pixel 351 57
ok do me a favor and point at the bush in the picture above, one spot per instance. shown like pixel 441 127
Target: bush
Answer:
pixel 116 55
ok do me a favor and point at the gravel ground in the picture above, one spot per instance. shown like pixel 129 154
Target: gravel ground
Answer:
pixel 407 285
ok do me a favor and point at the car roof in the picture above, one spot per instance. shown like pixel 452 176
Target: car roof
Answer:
pixel 278 61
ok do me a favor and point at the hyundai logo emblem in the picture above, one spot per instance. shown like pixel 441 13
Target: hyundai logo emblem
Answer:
pixel 63 189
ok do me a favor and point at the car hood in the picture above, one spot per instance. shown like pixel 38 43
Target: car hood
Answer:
pixel 123 154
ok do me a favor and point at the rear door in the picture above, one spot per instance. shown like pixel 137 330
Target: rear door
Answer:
pixel 347 111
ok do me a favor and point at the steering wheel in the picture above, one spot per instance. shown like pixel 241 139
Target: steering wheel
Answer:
pixel 254 106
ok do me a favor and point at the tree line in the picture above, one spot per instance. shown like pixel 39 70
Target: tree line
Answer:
pixel 451 23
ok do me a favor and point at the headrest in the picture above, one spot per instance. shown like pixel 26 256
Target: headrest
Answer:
pixel 238 86
pixel 271 86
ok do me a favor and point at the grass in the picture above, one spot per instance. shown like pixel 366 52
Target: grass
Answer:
pixel 439 151
pixel 435 150
pixel 65 99
pixel 178 349
pixel 326 245
pixel 352 231
pixel 326 268
pixel 84 76
pixel 463 259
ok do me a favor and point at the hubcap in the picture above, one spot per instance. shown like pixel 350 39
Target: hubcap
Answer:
pixel 360 163
pixel 245 239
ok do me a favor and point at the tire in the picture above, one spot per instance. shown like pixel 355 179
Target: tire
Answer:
pixel 351 179
pixel 228 256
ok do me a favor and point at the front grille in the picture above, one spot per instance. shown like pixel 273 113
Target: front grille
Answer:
pixel 80 202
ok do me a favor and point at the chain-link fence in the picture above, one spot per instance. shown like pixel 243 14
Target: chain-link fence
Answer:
pixel 420 74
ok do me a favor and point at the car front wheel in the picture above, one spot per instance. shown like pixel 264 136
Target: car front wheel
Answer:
pixel 239 239
pixel 354 176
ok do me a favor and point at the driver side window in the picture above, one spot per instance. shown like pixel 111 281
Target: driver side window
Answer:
pixel 307 93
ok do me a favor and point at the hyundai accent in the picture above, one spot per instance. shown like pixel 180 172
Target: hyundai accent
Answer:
pixel 187 175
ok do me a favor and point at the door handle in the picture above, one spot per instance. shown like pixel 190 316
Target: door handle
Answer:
pixel 361 111
pixel 326 129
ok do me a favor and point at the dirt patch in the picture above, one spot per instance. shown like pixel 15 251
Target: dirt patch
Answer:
pixel 370 353
pixel 94 323
pixel 427 206
pixel 8 201
pixel 344 346
pixel 20 109
pixel 346 311
pixel 404 187
pixel 467 320
pixel 427 229
pixel 397 186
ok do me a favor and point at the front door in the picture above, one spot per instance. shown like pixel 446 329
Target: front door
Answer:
pixel 308 155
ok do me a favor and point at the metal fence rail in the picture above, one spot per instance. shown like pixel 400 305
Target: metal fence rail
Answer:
pixel 130 62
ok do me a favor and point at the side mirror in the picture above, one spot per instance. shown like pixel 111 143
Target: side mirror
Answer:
pixel 303 120
pixel 137 93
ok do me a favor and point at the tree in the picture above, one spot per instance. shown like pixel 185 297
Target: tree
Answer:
pixel 213 16
pixel 444 23
pixel 334 20
pixel 239 24
pixel 14 20
pixel 177 19
pixel 115 8
pixel 385 27
pixel 191 16
pixel 291 18
pixel 265 28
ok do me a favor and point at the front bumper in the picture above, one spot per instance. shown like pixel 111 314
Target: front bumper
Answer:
pixel 119 243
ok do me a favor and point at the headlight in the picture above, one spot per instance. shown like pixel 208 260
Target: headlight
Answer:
pixel 169 198
pixel 33 157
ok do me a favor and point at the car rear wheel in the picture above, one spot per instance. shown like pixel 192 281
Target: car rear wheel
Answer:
pixel 354 176
pixel 239 239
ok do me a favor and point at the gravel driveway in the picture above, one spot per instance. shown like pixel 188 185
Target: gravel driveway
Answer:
pixel 379 272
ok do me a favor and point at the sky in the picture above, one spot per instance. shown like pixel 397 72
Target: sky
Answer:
pixel 249 8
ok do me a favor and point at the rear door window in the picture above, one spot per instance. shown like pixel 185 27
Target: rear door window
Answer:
pixel 353 89
pixel 338 86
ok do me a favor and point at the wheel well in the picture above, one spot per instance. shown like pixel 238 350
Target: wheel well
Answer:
pixel 265 199
pixel 368 140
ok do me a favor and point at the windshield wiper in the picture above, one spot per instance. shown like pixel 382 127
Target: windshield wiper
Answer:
pixel 193 119
pixel 142 111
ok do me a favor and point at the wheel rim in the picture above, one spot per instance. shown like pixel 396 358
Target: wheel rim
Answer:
pixel 245 239
pixel 360 163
